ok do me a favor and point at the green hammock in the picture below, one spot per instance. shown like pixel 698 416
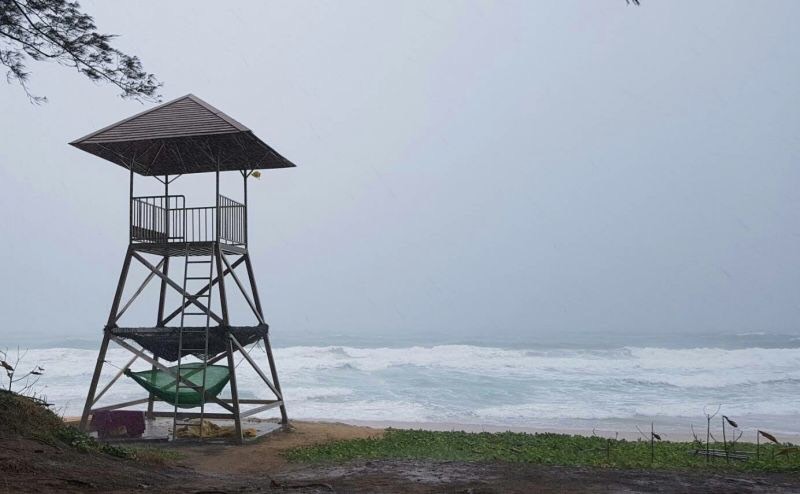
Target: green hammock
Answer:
pixel 162 384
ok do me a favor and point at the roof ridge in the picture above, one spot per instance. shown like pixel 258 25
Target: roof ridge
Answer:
pixel 217 112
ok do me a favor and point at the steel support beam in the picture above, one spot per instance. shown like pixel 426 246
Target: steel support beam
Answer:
pixel 255 367
pixel 274 371
pixel 270 358
pixel 98 368
pixel 138 291
pixel 237 420
pixel 114 379
pixel 250 302
pixel 120 405
pixel 261 409
pixel 223 297
pixel 194 415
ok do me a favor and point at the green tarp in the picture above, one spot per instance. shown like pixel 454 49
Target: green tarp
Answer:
pixel 162 384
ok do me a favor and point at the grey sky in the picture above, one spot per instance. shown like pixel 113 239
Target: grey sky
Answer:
pixel 465 168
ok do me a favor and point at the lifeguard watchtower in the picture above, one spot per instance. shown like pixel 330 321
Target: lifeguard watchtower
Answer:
pixel 191 348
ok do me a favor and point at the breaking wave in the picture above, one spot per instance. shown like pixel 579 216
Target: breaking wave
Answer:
pixel 475 384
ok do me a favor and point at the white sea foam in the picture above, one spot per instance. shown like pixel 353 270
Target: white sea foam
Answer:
pixel 472 384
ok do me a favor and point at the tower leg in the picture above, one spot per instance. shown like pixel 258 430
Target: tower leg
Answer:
pixel 98 368
pixel 237 420
pixel 101 357
pixel 274 371
pixel 151 399
pixel 162 297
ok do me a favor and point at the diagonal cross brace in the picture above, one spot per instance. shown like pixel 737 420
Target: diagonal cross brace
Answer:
pixel 139 290
pixel 255 366
pixel 190 299
pixel 114 379
pixel 203 290
pixel 244 292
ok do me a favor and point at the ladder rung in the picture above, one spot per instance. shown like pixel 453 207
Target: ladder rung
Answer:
pixel 198 262
pixel 195 314
pixel 198 278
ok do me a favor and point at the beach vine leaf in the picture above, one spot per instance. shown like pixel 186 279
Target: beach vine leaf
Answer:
pixel 769 436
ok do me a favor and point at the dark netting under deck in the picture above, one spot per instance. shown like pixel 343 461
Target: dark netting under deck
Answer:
pixel 163 342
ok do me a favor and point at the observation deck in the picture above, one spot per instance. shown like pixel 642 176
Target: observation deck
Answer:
pixel 164 225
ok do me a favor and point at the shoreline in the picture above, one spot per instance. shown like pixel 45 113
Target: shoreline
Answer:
pixel 610 429
pixel 676 431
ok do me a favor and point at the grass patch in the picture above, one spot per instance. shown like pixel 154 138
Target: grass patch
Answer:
pixel 87 444
pixel 542 449
pixel 156 456
pixel 26 417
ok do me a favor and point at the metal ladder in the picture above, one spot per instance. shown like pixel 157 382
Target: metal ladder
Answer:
pixel 191 311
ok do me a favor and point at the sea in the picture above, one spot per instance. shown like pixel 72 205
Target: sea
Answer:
pixel 614 385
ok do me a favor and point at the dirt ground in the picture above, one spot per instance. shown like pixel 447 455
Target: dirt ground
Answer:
pixel 266 455
pixel 28 466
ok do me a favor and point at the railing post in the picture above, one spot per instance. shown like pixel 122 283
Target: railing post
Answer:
pixel 244 220
pixel 216 210
pixel 130 209
pixel 166 208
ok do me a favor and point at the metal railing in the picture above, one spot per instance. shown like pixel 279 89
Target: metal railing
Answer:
pixel 166 219
pixel 231 221
pixel 153 218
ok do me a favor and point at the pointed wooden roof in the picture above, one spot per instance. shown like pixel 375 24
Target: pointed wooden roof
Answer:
pixel 185 135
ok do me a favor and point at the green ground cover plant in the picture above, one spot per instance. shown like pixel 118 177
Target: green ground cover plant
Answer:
pixel 548 449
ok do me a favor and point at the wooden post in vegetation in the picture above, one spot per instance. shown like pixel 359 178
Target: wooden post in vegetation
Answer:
pixel 652 443
pixel 725 442
pixel 758 445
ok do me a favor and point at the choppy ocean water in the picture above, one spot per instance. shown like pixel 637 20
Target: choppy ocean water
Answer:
pixel 555 388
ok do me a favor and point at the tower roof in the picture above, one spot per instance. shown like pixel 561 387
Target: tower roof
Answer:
pixel 185 135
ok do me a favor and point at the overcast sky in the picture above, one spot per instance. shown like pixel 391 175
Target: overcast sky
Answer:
pixel 465 169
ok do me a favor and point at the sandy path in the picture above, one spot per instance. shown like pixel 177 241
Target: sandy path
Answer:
pixel 266 455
